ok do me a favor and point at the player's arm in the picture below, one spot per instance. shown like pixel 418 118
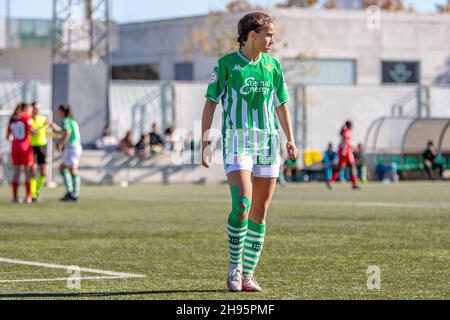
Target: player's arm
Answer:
pixel 9 135
pixel 216 88
pixel 54 126
pixel 286 123
pixel 207 119
pixel 64 139
pixel 281 99
pixel 30 126
pixel 55 129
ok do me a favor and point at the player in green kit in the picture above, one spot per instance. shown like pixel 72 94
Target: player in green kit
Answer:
pixel 250 85
pixel 70 144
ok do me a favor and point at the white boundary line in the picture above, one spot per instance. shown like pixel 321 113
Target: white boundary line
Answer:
pixel 107 274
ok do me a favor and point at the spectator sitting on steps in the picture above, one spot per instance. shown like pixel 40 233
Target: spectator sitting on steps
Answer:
pixel 430 157
pixel 156 140
pixel 126 145
pixel 143 147
pixel 107 142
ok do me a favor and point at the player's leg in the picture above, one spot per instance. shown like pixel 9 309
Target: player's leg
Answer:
pixel 354 170
pixel 341 168
pixel 33 179
pixel 74 161
pixel 67 178
pixel 342 163
pixel 263 189
pixel 42 176
pixel 240 183
pixel 15 183
pixel 28 172
pixel 76 183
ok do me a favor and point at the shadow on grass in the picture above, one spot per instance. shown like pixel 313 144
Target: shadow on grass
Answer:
pixel 102 294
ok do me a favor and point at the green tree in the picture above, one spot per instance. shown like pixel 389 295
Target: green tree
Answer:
pixel 388 5
pixel 444 8
pixel 298 3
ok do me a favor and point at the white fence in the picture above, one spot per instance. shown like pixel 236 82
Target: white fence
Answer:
pixel 318 112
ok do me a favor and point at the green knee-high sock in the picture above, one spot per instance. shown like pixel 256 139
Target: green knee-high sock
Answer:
pixel 237 228
pixel 67 180
pixel 254 243
pixel 76 184
pixel 40 182
pixel 236 236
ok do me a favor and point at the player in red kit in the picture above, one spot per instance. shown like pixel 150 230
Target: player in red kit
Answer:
pixel 346 157
pixel 19 133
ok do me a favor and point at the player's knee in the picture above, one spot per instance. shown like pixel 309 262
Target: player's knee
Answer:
pixel 259 213
pixel 242 208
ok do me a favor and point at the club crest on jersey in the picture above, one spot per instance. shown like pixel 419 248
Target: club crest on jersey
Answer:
pixel 269 67
pixel 237 67
pixel 214 78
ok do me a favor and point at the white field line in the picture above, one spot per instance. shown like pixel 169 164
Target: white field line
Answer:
pixel 107 274
pixel 379 204
pixel 60 279
pixel 373 204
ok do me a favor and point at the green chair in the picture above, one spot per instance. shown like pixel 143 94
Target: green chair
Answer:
pixel 411 163
pixel 379 160
pixel 420 165
pixel 398 162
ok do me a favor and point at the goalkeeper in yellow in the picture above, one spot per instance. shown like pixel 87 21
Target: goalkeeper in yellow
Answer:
pixel 39 142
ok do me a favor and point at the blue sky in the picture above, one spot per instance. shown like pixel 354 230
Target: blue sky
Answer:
pixel 135 10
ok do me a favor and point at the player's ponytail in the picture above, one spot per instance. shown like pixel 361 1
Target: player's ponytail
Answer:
pixel 19 108
pixel 255 21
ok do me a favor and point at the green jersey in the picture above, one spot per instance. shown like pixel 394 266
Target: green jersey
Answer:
pixel 249 93
pixel 71 125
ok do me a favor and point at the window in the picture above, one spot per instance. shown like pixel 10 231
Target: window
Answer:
pixel 136 72
pixel 320 71
pixel 400 72
pixel 184 71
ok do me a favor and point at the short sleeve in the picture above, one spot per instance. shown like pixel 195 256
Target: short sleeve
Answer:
pixel 281 89
pixel 217 83
pixel 64 125
pixel 29 123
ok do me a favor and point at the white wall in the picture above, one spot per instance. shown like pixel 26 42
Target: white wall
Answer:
pixel 25 64
pixel 336 34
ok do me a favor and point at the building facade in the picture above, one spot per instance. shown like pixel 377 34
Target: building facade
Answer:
pixel 317 47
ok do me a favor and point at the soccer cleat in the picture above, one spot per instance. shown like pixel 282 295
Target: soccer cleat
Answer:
pixel 28 200
pixel 66 198
pixel 37 199
pixel 356 188
pixel 234 278
pixel 250 285
pixel 329 185
pixel 15 201
pixel 73 197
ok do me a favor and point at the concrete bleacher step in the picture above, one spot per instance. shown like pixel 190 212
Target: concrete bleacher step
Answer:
pixel 99 167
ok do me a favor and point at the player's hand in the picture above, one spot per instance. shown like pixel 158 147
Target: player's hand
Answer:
pixel 292 151
pixel 206 154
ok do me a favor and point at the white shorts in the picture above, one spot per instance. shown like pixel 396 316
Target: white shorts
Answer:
pixel 248 163
pixel 71 157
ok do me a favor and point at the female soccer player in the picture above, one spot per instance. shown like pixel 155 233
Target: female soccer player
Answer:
pixel 71 145
pixel 251 87
pixel 19 133
pixel 346 156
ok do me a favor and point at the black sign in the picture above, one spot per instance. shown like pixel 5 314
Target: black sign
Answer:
pixel 401 72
